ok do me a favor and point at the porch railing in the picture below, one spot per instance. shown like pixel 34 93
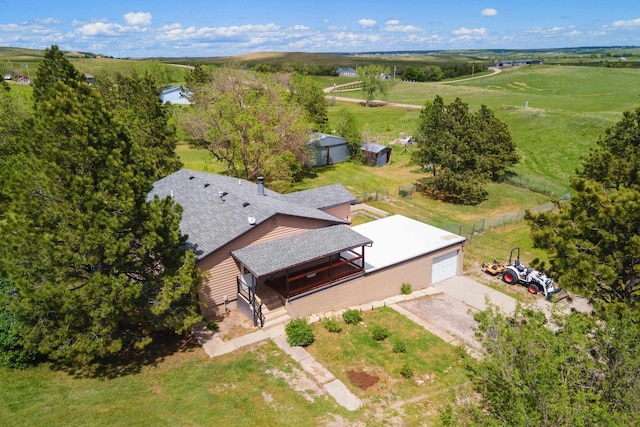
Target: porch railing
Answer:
pixel 249 294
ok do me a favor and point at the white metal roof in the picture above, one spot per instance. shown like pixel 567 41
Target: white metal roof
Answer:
pixel 398 238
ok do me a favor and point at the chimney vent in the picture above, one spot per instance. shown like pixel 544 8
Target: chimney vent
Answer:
pixel 261 186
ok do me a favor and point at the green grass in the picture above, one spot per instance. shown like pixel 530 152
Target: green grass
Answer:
pixel 437 367
pixel 243 388
pixel 569 108
pixel 248 387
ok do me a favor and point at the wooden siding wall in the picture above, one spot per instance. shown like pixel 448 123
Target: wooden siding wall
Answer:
pixel 374 286
pixel 222 269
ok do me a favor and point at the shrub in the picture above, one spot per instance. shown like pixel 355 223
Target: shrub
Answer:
pixel 299 333
pixel 352 317
pixel 213 326
pixel 399 347
pixel 405 288
pixel 406 371
pixel 332 324
pixel 12 353
pixel 379 333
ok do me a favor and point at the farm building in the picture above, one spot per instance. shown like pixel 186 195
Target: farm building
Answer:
pixel 376 154
pixel 327 149
pixel 268 253
pixel 174 95
pixel 346 72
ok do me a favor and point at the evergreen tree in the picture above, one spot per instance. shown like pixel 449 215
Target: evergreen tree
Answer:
pixel 594 239
pixel 97 268
pixel 462 150
pixel 135 102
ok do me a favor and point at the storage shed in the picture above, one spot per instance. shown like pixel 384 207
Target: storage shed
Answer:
pixel 328 149
pixel 376 154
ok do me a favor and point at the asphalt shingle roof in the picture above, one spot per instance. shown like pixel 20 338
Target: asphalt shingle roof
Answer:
pixel 322 197
pixel 217 208
pixel 276 255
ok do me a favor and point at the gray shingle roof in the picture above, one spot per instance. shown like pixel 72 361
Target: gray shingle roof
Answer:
pixel 211 221
pixel 322 197
pixel 276 255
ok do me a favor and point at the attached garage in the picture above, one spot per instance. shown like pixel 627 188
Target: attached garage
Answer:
pixel 444 267
pixel 398 239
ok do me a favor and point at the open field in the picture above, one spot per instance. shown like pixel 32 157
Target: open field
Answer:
pixel 555 114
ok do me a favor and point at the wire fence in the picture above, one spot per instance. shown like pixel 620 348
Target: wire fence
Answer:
pixel 484 224
pixel 468 231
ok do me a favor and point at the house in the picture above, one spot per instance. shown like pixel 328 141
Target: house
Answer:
pixel 174 95
pixel 297 253
pixel 347 72
pixel 376 154
pixel 327 149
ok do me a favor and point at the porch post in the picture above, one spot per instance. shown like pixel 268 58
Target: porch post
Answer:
pixel 286 278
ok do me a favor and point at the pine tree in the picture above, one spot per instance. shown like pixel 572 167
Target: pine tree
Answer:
pixel 98 268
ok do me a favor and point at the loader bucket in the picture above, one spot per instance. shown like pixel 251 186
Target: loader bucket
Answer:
pixel 559 295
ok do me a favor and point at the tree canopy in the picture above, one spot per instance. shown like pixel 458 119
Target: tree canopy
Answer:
pixel 462 150
pixel 250 122
pixel 347 126
pixel 593 239
pixel 97 268
pixel 374 81
pixel 574 370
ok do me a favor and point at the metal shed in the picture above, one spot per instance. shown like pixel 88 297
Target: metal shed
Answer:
pixel 376 154
pixel 328 149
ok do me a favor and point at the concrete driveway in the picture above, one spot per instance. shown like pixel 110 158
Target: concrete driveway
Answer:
pixel 448 310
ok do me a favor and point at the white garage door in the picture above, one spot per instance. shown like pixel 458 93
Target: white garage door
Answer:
pixel 444 267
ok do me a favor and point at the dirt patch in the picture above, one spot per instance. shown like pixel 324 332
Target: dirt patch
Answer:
pixel 233 324
pixel 299 381
pixel 362 379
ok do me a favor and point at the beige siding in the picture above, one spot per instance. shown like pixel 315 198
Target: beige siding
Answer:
pixel 372 287
pixel 222 269
pixel 343 211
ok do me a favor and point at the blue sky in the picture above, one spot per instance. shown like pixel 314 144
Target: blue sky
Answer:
pixel 150 28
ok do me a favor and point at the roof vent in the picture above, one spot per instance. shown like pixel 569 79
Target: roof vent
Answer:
pixel 245 204
pixel 191 177
pixel 261 186
pixel 206 185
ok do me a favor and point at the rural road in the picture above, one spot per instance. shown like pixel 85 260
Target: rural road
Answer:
pixel 331 89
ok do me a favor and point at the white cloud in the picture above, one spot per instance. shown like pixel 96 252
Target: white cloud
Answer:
pixel 402 28
pixel 488 12
pixel 99 28
pixel 367 23
pixel 138 19
pixel 469 31
pixel 393 22
pixel 627 23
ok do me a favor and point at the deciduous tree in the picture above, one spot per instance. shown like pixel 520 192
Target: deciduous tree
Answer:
pixel 374 81
pixel 347 126
pixel 249 122
pixel 574 370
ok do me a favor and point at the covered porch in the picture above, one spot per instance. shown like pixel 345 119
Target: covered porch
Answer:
pixel 304 263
